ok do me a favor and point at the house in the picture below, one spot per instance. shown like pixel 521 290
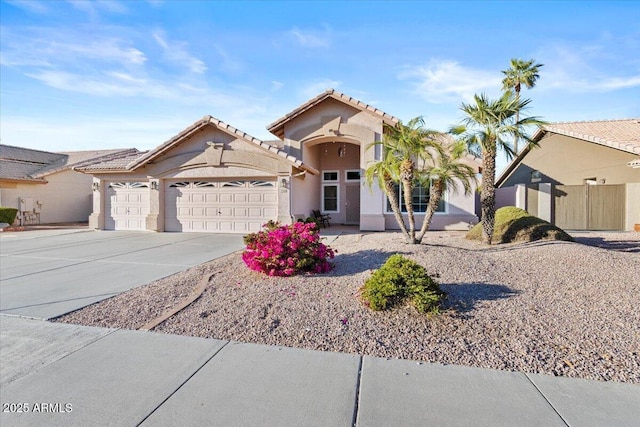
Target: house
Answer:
pixel 583 175
pixel 44 186
pixel 212 177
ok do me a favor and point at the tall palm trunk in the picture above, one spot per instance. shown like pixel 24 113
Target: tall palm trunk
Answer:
pixel 434 199
pixel 515 140
pixel 488 194
pixel 406 177
pixel 395 206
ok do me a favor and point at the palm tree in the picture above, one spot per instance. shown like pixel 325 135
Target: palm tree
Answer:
pixel 445 172
pixel 521 73
pixel 403 147
pixel 487 127
pixel 386 173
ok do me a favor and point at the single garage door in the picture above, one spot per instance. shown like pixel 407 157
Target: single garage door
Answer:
pixel 127 206
pixel 220 206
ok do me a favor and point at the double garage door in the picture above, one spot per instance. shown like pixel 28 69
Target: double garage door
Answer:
pixel 239 206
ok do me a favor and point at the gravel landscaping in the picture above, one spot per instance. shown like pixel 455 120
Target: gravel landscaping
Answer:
pixel 550 307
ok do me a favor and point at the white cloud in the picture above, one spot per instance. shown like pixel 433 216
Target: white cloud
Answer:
pixel 276 86
pixel 56 47
pixel 311 38
pixel 442 81
pixel 583 69
pixel 177 52
pixel 316 88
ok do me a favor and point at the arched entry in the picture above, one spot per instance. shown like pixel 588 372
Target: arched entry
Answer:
pixel 340 174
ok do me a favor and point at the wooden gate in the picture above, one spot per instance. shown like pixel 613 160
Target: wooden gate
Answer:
pixel 589 207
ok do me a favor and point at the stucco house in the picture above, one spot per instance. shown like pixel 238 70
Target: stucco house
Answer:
pixel 212 177
pixel 595 164
pixel 44 186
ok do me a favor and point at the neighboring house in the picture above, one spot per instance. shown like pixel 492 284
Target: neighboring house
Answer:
pixel 43 185
pixel 597 162
pixel 213 177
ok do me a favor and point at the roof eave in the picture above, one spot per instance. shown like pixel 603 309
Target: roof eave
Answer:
pixel 25 180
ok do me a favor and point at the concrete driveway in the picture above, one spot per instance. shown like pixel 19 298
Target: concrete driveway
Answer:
pixel 47 273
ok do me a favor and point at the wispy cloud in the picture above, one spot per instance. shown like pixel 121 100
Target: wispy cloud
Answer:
pixel 317 87
pixel 177 52
pixel 32 6
pixel 312 38
pixel 583 69
pixel 93 8
pixel 441 81
pixel 56 47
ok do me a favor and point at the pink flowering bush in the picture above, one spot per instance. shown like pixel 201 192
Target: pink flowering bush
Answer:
pixel 285 250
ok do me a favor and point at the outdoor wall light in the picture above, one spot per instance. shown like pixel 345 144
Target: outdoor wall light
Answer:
pixel 96 186
pixel 154 185
pixel 283 183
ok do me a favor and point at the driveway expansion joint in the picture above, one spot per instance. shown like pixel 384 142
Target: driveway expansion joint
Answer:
pixel 545 398
pixel 183 383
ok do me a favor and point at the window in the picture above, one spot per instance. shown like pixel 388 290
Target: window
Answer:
pixel 536 176
pixel 419 200
pixel 330 176
pixel 352 175
pixel 329 198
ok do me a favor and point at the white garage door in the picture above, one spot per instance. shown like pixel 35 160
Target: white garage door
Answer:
pixel 220 206
pixel 126 206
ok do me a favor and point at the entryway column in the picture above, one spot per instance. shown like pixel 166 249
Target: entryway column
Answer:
pixel 155 218
pixel 96 219
pixel 284 199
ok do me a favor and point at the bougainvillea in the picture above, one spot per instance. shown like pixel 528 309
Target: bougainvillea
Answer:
pixel 285 250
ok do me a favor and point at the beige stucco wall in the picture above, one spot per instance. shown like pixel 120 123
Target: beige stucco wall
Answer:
pixel 315 137
pixel 209 154
pixel 65 198
pixel 459 214
pixel 569 161
pixel 633 206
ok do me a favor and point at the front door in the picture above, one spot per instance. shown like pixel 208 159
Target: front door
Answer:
pixel 352 204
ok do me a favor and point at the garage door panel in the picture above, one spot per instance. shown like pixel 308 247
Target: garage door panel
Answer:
pixel 127 206
pixel 230 206
pixel 240 213
pixel 255 198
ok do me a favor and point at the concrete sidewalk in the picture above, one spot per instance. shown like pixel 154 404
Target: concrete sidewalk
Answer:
pixel 92 376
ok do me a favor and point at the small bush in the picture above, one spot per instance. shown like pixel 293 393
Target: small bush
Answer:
pixel 398 279
pixel 8 215
pixel 285 250
pixel 517 225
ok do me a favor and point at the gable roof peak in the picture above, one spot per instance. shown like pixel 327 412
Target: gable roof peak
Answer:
pixel 277 127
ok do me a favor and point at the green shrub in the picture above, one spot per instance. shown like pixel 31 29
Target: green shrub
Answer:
pixel 8 215
pixel 398 279
pixel 517 225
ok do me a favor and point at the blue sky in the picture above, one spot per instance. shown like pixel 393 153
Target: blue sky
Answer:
pixel 81 75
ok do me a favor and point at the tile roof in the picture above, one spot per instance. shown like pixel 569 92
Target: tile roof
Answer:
pixel 114 163
pixel 25 164
pixel 277 127
pixel 619 134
